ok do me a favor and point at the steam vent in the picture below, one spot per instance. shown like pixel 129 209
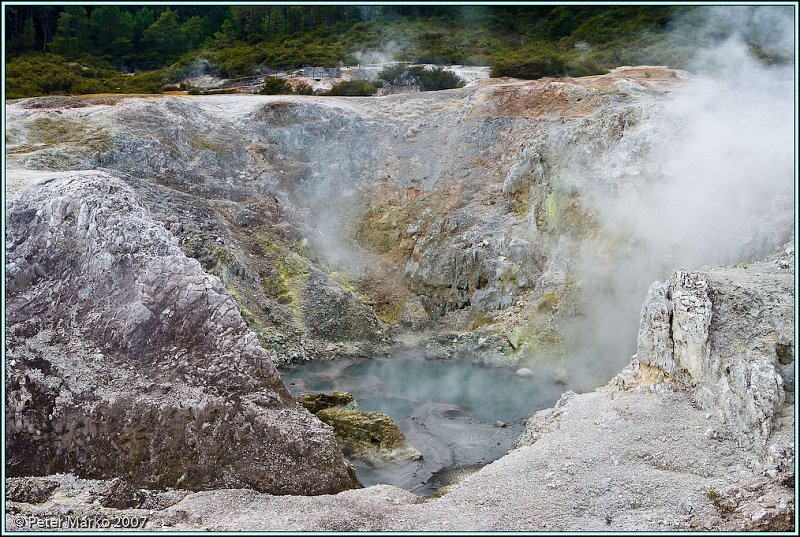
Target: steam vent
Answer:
pixel 378 268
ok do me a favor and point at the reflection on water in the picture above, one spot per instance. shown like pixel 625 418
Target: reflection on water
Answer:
pixel 456 413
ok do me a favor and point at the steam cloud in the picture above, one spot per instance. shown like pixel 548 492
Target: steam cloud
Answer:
pixel 706 178
pixel 385 55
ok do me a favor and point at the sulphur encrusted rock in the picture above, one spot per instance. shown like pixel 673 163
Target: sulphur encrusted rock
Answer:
pixel 314 402
pixel 369 436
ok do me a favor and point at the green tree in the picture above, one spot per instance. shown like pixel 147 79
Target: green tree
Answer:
pixel 194 31
pixel 142 20
pixel 165 37
pixel 72 32
pixel 47 19
pixel 120 49
pixel 28 36
pixel 226 34
pixel 562 22
pixel 110 27
pixel 248 21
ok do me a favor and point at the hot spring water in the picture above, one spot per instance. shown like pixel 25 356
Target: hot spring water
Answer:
pixel 458 414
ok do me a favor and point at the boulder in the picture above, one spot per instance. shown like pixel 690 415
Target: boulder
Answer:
pixel 29 489
pixel 413 314
pixel 726 334
pixel 333 313
pixel 369 436
pixel 314 402
pixel 125 359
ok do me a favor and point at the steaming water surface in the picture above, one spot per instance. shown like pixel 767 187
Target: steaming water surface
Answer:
pixel 448 410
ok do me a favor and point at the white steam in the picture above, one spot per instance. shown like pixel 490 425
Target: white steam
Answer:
pixel 712 184
pixel 385 55
pixel 769 27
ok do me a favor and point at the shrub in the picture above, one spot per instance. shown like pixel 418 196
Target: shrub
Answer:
pixel 439 79
pixel 352 88
pixel 275 86
pixel 427 79
pixel 531 69
pixel 41 74
pixel 397 75
pixel 304 89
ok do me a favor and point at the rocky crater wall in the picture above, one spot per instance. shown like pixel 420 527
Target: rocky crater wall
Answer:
pixel 459 210
pixel 165 253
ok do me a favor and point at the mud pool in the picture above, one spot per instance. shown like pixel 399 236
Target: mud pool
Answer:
pixel 459 414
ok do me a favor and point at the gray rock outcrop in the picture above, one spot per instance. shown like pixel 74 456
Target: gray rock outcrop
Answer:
pixel 336 314
pixel 725 333
pixel 655 346
pixel 125 359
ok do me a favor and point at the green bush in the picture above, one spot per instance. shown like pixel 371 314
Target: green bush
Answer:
pixel 35 74
pixel 428 79
pixel 397 75
pixel 275 86
pixel 304 89
pixel 535 60
pixel 352 88
pixel 40 74
pixel 438 79
pixel 531 69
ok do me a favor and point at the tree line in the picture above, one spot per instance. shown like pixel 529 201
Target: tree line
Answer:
pixel 90 49
pixel 148 37
pixel 132 38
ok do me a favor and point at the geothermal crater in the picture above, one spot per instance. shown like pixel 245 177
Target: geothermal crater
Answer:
pixel 180 268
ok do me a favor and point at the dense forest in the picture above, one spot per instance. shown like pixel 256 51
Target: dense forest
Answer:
pixel 85 49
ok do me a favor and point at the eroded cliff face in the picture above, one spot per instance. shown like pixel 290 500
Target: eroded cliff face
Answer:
pixel 125 359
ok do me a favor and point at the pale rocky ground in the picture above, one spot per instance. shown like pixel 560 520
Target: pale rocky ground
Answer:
pixel 454 215
pixel 637 454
